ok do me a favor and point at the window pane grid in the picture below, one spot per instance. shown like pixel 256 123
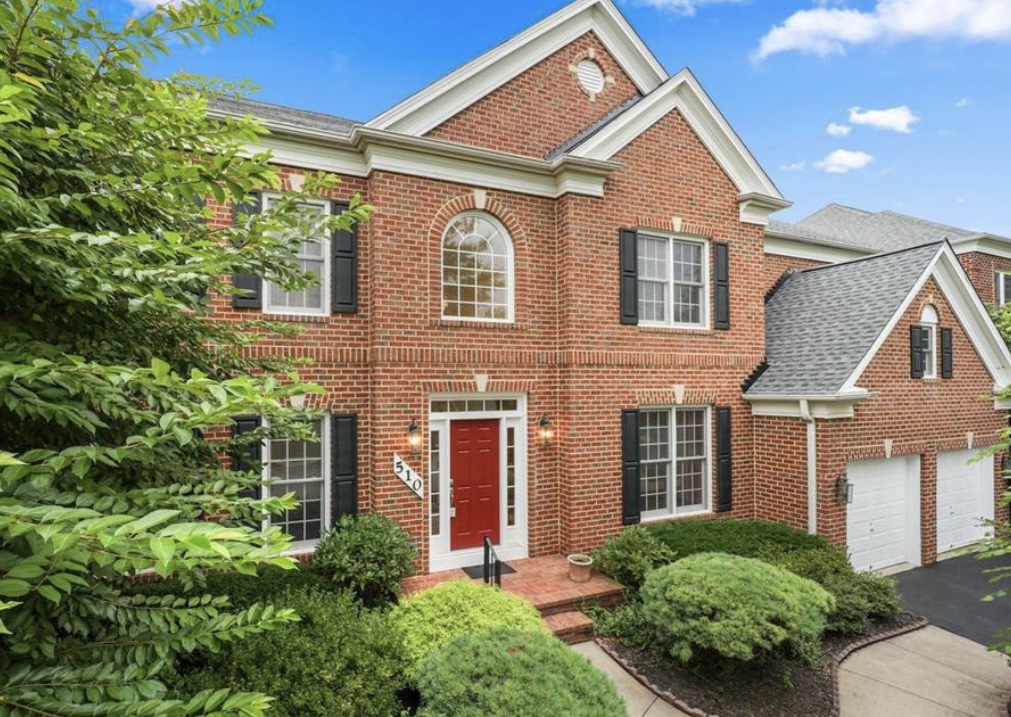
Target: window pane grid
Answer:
pixel 510 476
pixel 475 270
pixel 673 455
pixel 310 257
pixel 434 481
pixel 654 454
pixel 691 455
pixel 672 287
pixel 298 467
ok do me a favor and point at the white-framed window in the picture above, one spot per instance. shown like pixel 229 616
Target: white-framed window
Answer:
pixel 928 340
pixel 673 281
pixel 674 461
pixel 1003 288
pixel 313 256
pixel 477 269
pixel 302 468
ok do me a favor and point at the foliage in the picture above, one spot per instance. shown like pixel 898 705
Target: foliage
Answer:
pixel 747 538
pixel 339 661
pixel 432 618
pixel 368 554
pixel 625 622
pixel 627 557
pixel 725 607
pixel 111 371
pixel 507 672
pixel 243 591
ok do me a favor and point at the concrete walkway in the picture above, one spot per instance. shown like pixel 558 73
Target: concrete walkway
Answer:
pixel 925 673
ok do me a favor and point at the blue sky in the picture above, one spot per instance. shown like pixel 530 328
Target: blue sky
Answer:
pixel 918 90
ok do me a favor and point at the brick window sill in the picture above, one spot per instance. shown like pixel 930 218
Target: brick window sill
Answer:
pixel 483 325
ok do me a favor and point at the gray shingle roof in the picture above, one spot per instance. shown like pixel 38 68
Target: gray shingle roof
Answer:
pixel 821 322
pixel 279 113
pixel 874 231
pixel 588 131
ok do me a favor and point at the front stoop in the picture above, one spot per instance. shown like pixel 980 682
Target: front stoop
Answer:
pixel 570 627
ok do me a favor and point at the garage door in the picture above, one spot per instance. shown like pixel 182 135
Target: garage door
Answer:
pixel 964 497
pixel 883 521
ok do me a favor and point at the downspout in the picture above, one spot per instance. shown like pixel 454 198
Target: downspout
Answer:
pixel 812 467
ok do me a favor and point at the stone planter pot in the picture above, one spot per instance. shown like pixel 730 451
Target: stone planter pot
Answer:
pixel 580 567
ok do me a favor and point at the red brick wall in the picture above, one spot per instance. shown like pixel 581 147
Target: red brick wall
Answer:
pixel 775 266
pixel 981 268
pixel 540 109
pixel 781 470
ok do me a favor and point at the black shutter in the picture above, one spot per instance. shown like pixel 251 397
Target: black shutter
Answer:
pixel 252 296
pixel 946 354
pixel 724 463
pixel 344 267
pixel 916 352
pixel 629 251
pixel 250 456
pixel 997 285
pixel 721 285
pixel 630 467
pixel 344 481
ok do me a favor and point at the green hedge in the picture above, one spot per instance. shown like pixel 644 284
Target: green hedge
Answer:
pixel 747 538
pixel 510 673
pixel 627 557
pixel 340 660
pixel 431 619
pixel 244 590
pixel 714 606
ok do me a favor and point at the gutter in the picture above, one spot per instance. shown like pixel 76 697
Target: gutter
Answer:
pixel 812 467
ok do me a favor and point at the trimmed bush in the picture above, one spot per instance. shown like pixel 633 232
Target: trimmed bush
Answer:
pixel 339 661
pixel 625 622
pixel 244 590
pixel 748 538
pixel 368 554
pixel 725 607
pixel 506 673
pixel 629 556
pixel 431 619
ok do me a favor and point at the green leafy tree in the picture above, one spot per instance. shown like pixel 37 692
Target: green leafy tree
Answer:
pixel 113 375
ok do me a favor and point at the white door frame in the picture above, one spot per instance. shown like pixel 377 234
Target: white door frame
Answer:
pixel 513 540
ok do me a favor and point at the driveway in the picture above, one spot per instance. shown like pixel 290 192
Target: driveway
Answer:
pixel 948 594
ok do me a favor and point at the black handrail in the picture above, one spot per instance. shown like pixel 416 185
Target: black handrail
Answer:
pixel 492 565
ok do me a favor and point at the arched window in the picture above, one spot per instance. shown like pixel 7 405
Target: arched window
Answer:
pixel 928 340
pixel 477 269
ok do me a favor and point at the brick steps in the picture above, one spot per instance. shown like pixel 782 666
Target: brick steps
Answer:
pixel 553 604
pixel 570 627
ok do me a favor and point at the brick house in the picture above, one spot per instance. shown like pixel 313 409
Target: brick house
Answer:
pixel 544 331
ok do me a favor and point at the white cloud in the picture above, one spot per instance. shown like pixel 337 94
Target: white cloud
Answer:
pixel 963 103
pixel 682 7
pixel 896 119
pixel 843 160
pixel 794 167
pixel 838 130
pixel 830 30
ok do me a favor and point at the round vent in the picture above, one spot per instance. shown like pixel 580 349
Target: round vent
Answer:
pixel 591 77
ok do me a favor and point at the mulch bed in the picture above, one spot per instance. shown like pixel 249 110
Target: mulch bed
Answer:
pixel 775 688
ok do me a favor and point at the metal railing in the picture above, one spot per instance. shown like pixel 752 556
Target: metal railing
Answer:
pixel 492 565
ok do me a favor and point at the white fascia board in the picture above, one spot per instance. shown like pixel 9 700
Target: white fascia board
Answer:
pixel 969 310
pixel 684 93
pixel 757 208
pixel 323 157
pixel 829 408
pixel 801 249
pixel 444 98
pixel 984 245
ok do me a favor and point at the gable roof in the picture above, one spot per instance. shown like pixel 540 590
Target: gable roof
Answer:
pixel 281 116
pixel 824 325
pixel 446 97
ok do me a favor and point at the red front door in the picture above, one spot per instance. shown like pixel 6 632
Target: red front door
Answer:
pixel 474 474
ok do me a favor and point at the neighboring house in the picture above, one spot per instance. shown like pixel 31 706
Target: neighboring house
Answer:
pixel 552 313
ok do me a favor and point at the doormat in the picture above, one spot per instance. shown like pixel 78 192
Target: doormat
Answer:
pixel 477 571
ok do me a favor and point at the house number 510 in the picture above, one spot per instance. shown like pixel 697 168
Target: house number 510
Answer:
pixel 408 475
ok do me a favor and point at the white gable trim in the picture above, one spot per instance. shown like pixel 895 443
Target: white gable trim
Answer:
pixel 444 98
pixel 969 310
pixel 984 245
pixel 804 249
pixel 684 93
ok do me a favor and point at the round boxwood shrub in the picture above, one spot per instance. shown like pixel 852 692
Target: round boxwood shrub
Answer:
pixel 507 672
pixel 627 557
pixel 713 606
pixel 339 660
pixel 432 618
pixel 368 554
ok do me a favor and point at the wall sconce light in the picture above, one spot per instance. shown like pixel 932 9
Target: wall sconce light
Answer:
pixel 544 429
pixel 1005 466
pixel 414 438
pixel 843 489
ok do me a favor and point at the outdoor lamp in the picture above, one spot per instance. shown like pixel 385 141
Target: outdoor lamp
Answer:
pixel 843 489
pixel 414 438
pixel 544 429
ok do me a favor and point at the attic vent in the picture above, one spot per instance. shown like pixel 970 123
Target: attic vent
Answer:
pixel 591 77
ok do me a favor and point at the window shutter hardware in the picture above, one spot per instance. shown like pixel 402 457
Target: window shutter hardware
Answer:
pixel 721 286
pixel 724 461
pixel 630 467
pixel 343 267
pixel 947 367
pixel 628 245
pixel 252 295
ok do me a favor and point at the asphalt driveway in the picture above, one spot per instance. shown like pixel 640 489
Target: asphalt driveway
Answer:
pixel 948 594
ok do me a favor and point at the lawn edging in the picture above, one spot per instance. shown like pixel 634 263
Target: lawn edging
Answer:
pixel 836 661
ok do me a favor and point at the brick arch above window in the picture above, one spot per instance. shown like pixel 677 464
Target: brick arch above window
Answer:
pixel 478 203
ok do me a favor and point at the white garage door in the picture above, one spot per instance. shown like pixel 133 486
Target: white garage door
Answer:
pixel 964 498
pixel 883 521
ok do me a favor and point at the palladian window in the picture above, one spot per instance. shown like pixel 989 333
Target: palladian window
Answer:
pixel 477 270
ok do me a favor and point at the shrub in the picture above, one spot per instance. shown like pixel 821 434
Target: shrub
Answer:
pixel 429 620
pixel 713 605
pixel 368 554
pixel 507 672
pixel 819 564
pixel 244 591
pixel 340 660
pixel 629 556
pixel 625 622
pixel 748 538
